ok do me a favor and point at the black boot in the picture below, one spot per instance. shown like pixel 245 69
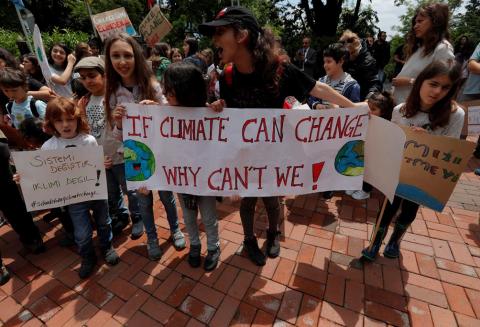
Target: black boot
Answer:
pixel 392 250
pixel 273 244
pixel 4 274
pixel 88 265
pixel 371 252
pixel 253 251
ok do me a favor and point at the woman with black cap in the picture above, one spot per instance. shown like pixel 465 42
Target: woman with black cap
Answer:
pixel 256 78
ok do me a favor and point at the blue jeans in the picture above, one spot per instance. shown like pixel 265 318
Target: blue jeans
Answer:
pixel 117 187
pixel 207 205
pixel 145 203
pixel 80 214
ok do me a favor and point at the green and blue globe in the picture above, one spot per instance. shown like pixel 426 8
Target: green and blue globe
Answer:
pixel 139 161
pixel 350 159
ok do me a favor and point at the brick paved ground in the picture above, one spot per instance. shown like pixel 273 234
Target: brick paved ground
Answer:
pixel 315 281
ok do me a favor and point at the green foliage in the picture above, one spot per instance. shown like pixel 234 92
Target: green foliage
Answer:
pixel 9 38
pixel 366 22
pixel 468 23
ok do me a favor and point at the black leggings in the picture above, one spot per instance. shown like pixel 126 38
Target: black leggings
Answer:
pixel 247 213
pixel 407 214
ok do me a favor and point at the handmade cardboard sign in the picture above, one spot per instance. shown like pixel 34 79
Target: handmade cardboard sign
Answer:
pixel 154 26
pixel 383 155
pixel 474 120
pixel 431 168
pixel 246 152
pixel 55 178
pixel 113 22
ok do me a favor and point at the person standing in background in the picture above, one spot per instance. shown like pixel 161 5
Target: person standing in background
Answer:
pixel 306 57
pixel 381 53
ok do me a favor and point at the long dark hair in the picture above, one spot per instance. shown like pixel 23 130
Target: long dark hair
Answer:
pixel 265 62
pixel 185 81
pixel 439 114
pixel 67 52
pixel 439 15
pixel 192 46
pixel 37 73
pixel 142 73
pixel 9 59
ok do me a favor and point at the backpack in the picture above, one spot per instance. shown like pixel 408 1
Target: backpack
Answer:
pixel 33 107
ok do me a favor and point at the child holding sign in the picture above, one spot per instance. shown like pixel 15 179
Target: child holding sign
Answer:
pixel 92 75
pixel 69 129
pixel 429 109
pixel 258 79
pixel 129 80
pixel 180 79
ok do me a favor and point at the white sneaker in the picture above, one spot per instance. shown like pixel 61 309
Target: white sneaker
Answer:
pixel 360 195
pixel 350 192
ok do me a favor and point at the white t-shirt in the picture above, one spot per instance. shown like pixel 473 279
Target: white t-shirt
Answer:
pixel 56 143
pixel 452 129
pixel 417 62
pixel 22 111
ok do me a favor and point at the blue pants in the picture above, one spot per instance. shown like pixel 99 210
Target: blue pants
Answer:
pixel 145 203
pixel 80 214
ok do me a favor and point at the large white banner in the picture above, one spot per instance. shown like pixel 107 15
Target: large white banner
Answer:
pixel 246 152
pixel 55 178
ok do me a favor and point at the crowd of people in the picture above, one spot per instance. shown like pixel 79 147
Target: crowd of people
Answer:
pixel 82 105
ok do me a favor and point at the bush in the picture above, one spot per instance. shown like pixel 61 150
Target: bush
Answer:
pixel 8 39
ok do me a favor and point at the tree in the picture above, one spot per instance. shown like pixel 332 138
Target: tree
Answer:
pixel 468 23
pixel 364 22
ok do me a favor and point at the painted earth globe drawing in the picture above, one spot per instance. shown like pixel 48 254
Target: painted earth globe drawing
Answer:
pixel 350 159
pixel 139 161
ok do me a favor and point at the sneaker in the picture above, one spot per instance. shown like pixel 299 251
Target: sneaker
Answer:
pixel 118 224
pixel 211 260
pixel 111 256
pixel 137 228
pixel 273 244
pixel 350 192
pixel 178 240
pixel 477 171
pixel 256 256
pixel 87 266
pixel 360 195
pixel 194 258
pixel 4 275
pixel 154 250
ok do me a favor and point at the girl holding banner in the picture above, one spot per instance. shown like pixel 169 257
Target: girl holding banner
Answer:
pixel 429 109
pixel 257 79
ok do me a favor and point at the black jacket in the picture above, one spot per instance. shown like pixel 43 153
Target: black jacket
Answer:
pixel 381 53
pixel 364 70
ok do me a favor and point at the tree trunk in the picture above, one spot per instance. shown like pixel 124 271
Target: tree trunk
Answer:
pixel 322 18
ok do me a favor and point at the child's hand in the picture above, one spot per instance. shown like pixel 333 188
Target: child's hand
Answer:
pixel 217 105
pixel 320 106
pixel 143 190
pixel 108 162
pixel 148 102
pixel 118 113
pixel 235 198
pixel 16 178
pixel 418 129
pixel 71 58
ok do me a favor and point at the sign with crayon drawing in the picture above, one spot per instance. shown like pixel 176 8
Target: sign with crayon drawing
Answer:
pixel 154 26
pixel 113 22
pixel 55 178
pixel 431 168
pixel 246 152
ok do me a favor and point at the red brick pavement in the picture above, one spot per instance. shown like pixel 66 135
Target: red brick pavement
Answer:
pixel 314 282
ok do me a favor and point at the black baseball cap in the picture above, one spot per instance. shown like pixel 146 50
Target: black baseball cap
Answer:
pixel 228 16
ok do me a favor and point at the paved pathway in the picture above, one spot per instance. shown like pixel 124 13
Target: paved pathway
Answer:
pixel 315 281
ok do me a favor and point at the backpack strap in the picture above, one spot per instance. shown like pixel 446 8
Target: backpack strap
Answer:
pixel 228 71
pixel 33 107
